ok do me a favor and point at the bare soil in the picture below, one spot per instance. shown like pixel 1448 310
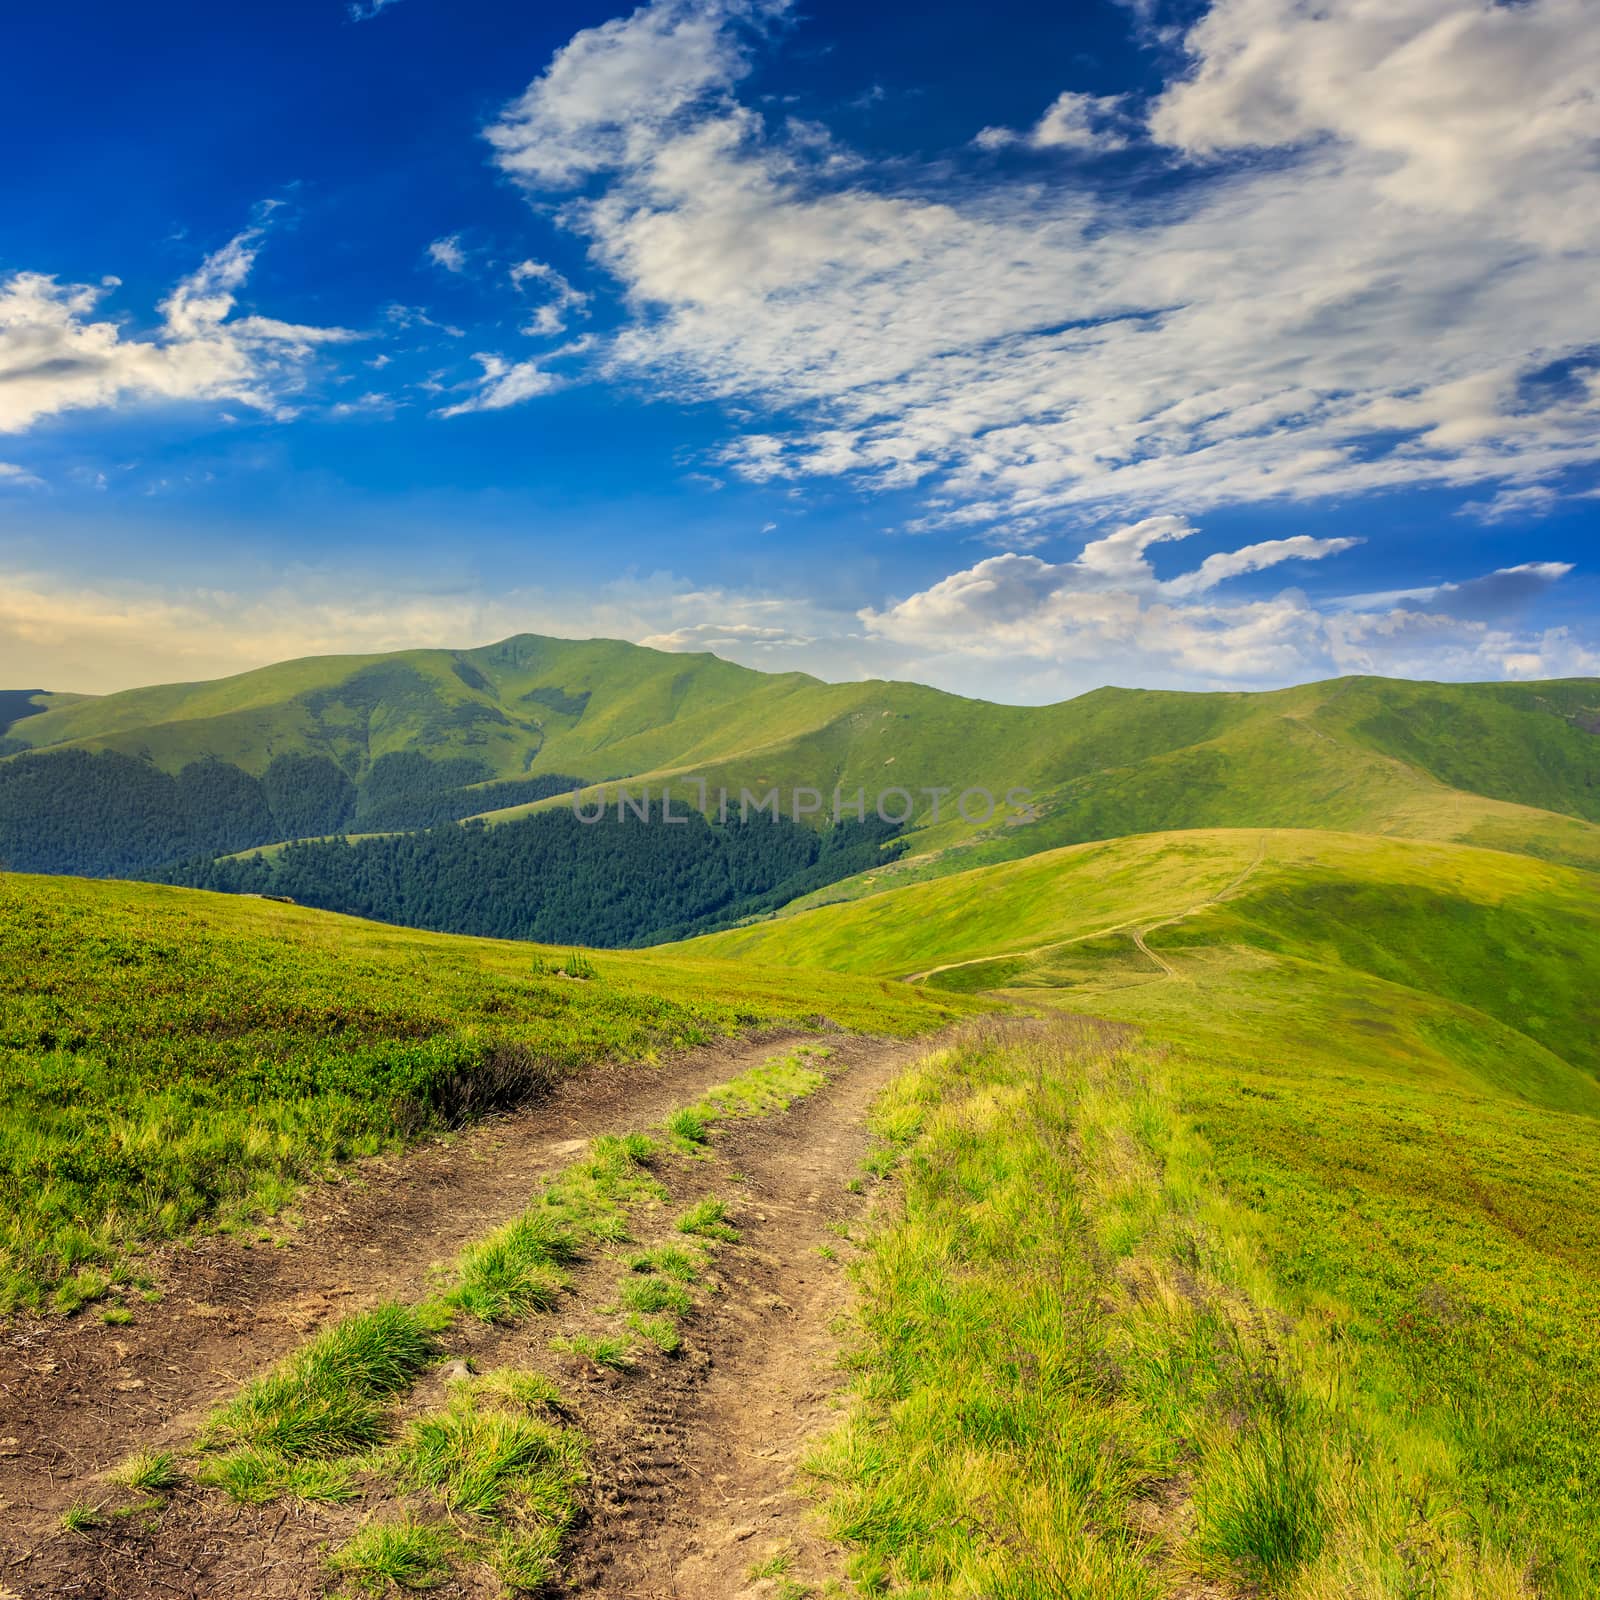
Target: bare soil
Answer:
pixel 694 1456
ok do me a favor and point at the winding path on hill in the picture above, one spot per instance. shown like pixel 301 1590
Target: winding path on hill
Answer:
pixel 77 1396
pixel 1138 925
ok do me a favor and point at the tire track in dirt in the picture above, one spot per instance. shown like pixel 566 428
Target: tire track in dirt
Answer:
pixel 77 1396
pixel 692 1457
pixel 720 1458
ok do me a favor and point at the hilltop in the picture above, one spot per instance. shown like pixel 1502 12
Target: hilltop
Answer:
pixel 331 746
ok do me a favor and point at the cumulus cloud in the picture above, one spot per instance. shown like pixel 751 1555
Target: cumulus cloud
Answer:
pixel 447 253
pixel 1087 123
pixel 1109 600
pixel 1449 105
pixel 1107 612
pixel 56 355
pixel 1385 224
pixel 606 92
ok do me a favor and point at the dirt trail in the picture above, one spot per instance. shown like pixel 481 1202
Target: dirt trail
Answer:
pixel 1139 927
pixel 76 1397
pixel 725 1452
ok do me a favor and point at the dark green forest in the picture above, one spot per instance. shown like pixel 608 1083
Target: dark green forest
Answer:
pixel 556 880
pixel 104 814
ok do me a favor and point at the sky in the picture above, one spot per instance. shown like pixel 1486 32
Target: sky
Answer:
pixel 1013 347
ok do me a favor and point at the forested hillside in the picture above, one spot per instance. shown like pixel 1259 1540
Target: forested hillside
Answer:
pixel 554 879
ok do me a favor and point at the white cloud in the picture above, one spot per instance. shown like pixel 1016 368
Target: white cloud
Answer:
pixel 561 299
pixel 15 477
pixel 1387 228
pixel 1088 123
pixel 1523 500
pixel 366 10
pixel 1451 105
pixel 55 357
pixel 1108 617
pixel 503 383
pixel 727 636
pixel 447 253
pixel 603 95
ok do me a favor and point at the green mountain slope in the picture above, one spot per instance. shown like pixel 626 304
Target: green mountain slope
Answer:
pixel 18 704
pixel 1471 963
pixel 420 737
pixel 171 1059
pixel 1368 1082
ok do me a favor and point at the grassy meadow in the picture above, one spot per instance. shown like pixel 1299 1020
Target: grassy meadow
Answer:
pixel 1144 1321
pixel 1363 1103
pixel 172 1060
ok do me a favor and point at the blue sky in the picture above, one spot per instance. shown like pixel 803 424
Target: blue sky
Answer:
pixel 1017 348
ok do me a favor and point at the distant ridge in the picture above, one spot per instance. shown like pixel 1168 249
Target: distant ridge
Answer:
pixel 339 744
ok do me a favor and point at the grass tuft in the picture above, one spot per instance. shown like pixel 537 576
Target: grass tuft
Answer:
pixel 408 1554
pixel 690 1126
pixel 327 1399
pixel 708 1219
pixel 671 1260
pixel 528 1560
pixel 654 1294
pixel 604 1350
pixel 253 1477
pixel 80 1517
pixel 148 1470
pixel 530 1390
pixel 662 1332
pixel 477 1460
pixel 517 1269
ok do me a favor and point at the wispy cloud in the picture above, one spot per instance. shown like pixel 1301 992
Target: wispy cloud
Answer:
pixel 503 383
pixel 14 477
pixel 1376 222
pixel 560 300
pixel 56 355
pixel 365 12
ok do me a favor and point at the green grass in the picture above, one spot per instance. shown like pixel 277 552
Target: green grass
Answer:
pixel 172 1061
pixel 670 1259
pixel 530 1390
pixel 80 1517
pixel 149 1470
pixel 406 1553
pixel 1389 1050
pixel 708 1219
pixel 476 1460
pixel 256 1476
pixel 649 1295
pixel 1078 1371
pixel 328 1398
pixel 603 1350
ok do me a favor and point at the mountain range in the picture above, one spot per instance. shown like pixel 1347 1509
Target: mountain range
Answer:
pixel 164 780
